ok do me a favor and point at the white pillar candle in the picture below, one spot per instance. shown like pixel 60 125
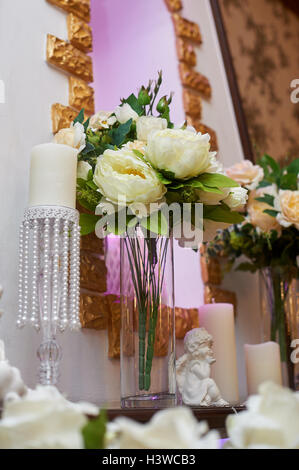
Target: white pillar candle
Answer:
pixel 53 175
pixel 218 320
pixel 262 365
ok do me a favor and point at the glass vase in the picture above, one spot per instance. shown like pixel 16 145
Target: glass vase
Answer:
pixel 147 334
pixel 280 310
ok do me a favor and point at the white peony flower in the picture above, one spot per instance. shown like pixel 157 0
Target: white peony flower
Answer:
pixel 10 377
pixel 270 422
pixel 246 174
pixel 237 198
pixel 74 136
pixel 124 113
pixel 175 428
pixel 145 125
pixel 43 419
pixel 123 178
pixel 83 169
pixel 287 203
pixel 180 151
pixel 102 120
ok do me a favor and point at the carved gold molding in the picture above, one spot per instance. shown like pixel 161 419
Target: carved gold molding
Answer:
pixel 80 8
pixel 192 104
pixel 66 57
pixel 81 95
pixel 62 116
pixel 186 52
pixel 186 29
pixel 79 33
pixel 174 5
pixel 201 127
pixel 195 80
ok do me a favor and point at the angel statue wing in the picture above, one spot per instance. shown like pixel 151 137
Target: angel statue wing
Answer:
pixel 181 371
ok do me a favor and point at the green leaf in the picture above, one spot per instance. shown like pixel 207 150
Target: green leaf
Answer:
pixel 216 180
pixel 120 133
pixel 92 185
pixel 169 175
pixel 81 183
pixel 294 167
pixel 222 214
pixel 247 267
pixel 94 432
pixel 140 155
pixel 80 117
pixel 88 223
pixel 289 181
pixel 88 148
pixel 90 207
pixel 86 124
pixel 267 199
pixel 155 223
pixel 271 212
pixel 135 105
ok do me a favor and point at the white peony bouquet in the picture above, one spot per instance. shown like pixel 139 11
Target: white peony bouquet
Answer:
pixel 130 159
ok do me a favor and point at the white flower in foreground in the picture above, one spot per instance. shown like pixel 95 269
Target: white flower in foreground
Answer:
pixel 10 377
pixel 246 174
pixel 180 151
pixel 175 428
pixel 122 176
pixel 124 113
pixel 73 136
pixel 237 198
pixel 83 169
pixel 288 205
pixel 43 419
pixel 270 422
pixel 102 120
pixel 145 125
pixel 257 216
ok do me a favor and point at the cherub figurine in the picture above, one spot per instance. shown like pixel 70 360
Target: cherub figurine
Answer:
pixel 193 371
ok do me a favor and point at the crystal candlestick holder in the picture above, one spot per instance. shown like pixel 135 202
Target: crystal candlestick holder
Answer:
pixel 49 280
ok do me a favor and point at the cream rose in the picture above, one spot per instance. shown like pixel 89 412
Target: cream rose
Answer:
pixel 288 204
pixel 270 422
pixel 102 120
pixel 180 151
pixel 236 199
pixel 213 199
pixel 145 125
pixel 124 113
pixel 73 136
pixel 246 174
pixel 83 169
pixel 256 210
pixel 135 145
pixel 122 176
pixel 43 419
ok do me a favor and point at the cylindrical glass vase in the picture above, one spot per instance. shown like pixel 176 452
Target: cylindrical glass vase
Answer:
pixel 148 325
pixel 280 310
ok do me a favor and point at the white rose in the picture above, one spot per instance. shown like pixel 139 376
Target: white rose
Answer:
pixel 73 136
pixel 43 419
pixel 122 176
pixel 237 198
pixel 124 113
pixel 212 199
pixel 147 124
pixel 83 169
pixel 246 174
pixel 175 428
pixel 182 152
pixel 102 120
pixel 270 422
pixel 135 145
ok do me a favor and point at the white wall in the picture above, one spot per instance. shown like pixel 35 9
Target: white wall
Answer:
pixel 31 87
